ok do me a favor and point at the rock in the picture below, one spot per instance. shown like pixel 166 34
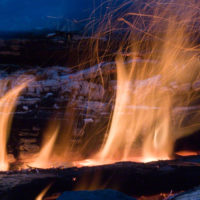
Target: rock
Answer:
pixel 94 195
pixel 193 194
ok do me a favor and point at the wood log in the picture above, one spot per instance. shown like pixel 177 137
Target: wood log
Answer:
pixel 69 49
pixel 131 178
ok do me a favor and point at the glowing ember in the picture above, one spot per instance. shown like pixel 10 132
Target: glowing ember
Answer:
pixel 7 106
pixel 187 153
pixel 91 162
pixel 96 162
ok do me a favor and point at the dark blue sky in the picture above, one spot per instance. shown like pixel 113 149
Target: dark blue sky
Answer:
pixel 25 15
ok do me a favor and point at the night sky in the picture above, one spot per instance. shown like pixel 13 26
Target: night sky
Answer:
pixel 26 15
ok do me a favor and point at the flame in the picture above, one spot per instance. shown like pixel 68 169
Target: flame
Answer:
pixel 145 123
pixel 152 132
pixel 44 191
pixel 7 106
pixel 44 157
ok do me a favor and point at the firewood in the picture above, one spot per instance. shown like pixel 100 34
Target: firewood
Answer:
pixel 131 178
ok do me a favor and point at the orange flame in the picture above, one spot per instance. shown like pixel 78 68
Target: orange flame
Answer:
pixel 44 157
pixel 41 195
pixel 145 124
pixel 152 132
pixel 7 106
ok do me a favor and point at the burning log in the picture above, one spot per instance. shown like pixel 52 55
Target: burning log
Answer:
pixel 83 92
pixel 131 178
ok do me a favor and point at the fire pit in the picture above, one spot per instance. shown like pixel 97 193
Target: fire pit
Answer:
pixel 123 117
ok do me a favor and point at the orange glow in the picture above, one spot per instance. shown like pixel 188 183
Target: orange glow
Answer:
pixel 44 158
pixel 150 129
pixel 145 123
pixel 96 162
pixel 7 107
pixel 91 162
pixel 41 195
pixel 187 153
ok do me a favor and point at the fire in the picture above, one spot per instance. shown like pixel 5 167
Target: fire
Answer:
pixel 152 132
pixel 146 121
pixel 7 107
pixel 44 158
pixel 144 124
pixel 41 195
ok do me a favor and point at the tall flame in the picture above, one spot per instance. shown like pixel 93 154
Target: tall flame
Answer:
pixel 7 106
pixel 150 123
pixel 144 122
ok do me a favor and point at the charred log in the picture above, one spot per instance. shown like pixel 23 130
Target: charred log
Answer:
pixel 131 178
